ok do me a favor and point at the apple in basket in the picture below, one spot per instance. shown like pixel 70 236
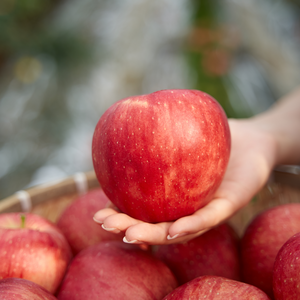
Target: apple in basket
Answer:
pixel 286 271
pixel 216 288
pixel 114 270
pixel 22 289
pixel 216 252
pixel 262 239
pixel 77 224
pixel 161 156
pixel 33 248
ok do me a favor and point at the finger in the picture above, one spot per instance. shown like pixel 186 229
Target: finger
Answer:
pixel 119 222
pixel 102 214
pixel 155 234
pixel 205 218
pixel 151 234
pixel 184 237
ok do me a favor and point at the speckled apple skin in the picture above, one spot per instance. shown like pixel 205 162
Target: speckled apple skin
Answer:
pixel 118 271
pixel 77 224
pixel 22 289
pixel 286 271
pixel 161 156
pixel 216 252
pixel 216 288
pixel 261 241
pixel 39 252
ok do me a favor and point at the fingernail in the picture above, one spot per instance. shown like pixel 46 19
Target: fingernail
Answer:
pixel 115 230
pixel 172 237
pixel 97 221
pixel 175 236
pixel 131 242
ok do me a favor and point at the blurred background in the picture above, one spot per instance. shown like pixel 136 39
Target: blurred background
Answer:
pixel 64 62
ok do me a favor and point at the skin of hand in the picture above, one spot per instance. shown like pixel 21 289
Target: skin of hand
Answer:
pixel 251 160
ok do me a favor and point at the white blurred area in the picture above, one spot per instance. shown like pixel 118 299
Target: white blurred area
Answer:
pixel 268 63
pixel 138 50
pixel 47 121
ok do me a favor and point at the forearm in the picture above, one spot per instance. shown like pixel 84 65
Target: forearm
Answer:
pixel 282 122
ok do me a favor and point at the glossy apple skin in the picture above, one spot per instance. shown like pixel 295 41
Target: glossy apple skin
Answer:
pixel 39 252
pixel 286 271
pixel 22 289
pixel 215 252
pixel 114 270
pixel 77 224
pixel 216 288
pixel 262 240
pixel 161 156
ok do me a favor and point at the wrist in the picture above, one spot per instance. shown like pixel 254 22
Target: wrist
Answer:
pixel 281 134
pixel 255 132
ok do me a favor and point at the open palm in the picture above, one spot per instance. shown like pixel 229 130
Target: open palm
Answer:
pixel 251 161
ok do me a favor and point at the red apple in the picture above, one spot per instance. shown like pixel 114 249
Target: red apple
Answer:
pixel 262 240
pixel 114 270
pixel 33 248
pixel 286 271
pixel 77 223
pixel 161 156
pixel 216 252
pixel 22 289
pixel 216 288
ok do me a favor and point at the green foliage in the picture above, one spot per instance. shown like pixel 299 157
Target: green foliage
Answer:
pixel 201 50
pixel 24 30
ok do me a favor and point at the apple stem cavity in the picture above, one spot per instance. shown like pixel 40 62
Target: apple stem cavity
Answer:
pixel 23 219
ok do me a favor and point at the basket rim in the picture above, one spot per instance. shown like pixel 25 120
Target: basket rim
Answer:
pixel 81 182
pixel 288 175
pixel 24 200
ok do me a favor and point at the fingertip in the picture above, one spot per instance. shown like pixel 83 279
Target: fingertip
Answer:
pixel 120 221
pixel 185 226
pixel 137 242
pixel 102 214
pixel 151 234
pixel 178 235
pixel 135 232
pixel 110 229
pixel 169 237
pixel 97 220
pixel 99 217
pixel 177 229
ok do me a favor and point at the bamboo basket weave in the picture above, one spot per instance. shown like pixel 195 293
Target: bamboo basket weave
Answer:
pixel 50 200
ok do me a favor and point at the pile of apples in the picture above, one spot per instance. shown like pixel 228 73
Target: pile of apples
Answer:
pixel 158 157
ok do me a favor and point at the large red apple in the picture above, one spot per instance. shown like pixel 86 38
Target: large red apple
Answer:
pixel 33 248
pixel 114 270
pixel 161 156
pixel 286 271
pixel 215 252
pixel 262 240
pixel 77 224
pixel 22 289
pixel 216 288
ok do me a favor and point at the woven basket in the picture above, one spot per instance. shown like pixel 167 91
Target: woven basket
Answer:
pixel 51 199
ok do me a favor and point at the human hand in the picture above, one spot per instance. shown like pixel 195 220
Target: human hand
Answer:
pixel 251 160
